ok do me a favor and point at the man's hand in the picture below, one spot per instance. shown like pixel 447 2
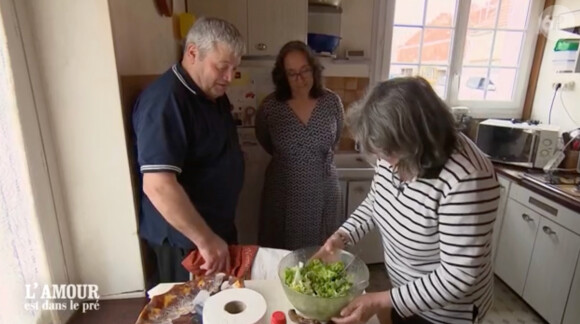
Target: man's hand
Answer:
pixel 169 198
pixel 215 254
pixel 362 308
pixel 333 243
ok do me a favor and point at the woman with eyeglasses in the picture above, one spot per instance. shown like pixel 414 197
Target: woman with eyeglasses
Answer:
pixel 433 199
pixel 299 125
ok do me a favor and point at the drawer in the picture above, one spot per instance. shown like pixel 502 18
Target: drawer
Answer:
pixel 546 207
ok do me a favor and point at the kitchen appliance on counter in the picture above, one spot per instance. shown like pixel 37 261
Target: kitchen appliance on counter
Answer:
pixel 462 118
pixel 523 144
pixel 248 89
pixel 571 150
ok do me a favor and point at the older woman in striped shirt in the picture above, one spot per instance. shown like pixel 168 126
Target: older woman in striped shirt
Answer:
pixel 433 198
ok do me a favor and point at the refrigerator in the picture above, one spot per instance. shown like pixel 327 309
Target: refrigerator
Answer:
pixel 249 87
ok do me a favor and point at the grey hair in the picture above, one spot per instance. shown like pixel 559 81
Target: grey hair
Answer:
pixel 404 118
pixel 207 32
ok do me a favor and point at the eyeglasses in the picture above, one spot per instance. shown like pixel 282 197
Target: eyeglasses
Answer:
pixel 302 74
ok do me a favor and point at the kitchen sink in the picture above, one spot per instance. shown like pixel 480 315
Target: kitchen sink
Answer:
pixel 353 165
pixel 568 183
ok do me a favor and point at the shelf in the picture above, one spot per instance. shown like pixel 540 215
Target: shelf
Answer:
pixel 345 68
pixel 332 67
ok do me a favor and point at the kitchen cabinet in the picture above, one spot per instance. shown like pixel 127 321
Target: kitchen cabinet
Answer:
pixel 342 201
pixel 516 244
pixel 273 23
pixel 504 187
pixel 538 253
pixel 551 270
pixel 357 192
pixel 234 11
pixel 572 313
pixel 265 24
pixel 370 248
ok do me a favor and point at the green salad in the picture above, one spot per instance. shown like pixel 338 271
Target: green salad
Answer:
pixel 318 279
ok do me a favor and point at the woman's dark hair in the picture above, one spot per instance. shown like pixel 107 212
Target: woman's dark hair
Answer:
pixel 405 118
pixel 280 78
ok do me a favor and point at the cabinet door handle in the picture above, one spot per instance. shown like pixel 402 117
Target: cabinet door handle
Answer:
pixel 261 46
pixel 548 230
pixel 527 218
pixel 359 190
pixel 543 206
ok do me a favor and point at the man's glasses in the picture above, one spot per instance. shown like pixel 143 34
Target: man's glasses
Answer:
pixel 302 74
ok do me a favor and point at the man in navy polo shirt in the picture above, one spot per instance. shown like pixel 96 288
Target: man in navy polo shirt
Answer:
pixel 188 153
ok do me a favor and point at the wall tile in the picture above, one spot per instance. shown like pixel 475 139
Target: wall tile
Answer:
pixel 346 105
pixel 363 83
pixel 339 92
pixel 349 95
pixel 334 83
pixel 349 90
pixel 351 83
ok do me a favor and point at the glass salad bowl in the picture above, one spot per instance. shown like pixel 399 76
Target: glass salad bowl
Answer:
pixel 338 294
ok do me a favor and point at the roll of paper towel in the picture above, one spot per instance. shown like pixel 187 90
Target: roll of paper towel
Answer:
pixel 235 306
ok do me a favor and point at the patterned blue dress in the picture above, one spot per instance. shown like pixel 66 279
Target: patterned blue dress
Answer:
pixel 300 199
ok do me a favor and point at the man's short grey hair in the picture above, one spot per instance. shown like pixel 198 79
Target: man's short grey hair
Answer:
pixel 404 118
pixel 207 32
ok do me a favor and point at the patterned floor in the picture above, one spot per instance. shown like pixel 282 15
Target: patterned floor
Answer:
pixel 508 307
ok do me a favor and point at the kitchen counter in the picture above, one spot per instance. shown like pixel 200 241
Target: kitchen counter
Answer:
pixel 354 166
pixel 564 195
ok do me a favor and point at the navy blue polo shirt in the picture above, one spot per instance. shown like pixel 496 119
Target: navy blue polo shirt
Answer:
pixel 178 129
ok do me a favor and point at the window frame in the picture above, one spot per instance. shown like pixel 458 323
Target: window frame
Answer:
pixel 383 27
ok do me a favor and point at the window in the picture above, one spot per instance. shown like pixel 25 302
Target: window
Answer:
pixel 471 51
pixel 422 42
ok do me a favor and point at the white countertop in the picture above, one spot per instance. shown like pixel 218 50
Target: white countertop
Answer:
pixel 271 290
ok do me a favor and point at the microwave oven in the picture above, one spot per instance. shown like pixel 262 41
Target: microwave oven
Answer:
pixel 521 144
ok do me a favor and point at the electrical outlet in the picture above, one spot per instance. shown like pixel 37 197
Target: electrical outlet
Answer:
pixel 564 86
pixel 569 86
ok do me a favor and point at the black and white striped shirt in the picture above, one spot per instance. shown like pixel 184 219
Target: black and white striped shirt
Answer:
pixel 436 235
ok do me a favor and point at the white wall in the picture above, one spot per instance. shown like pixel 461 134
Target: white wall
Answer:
pixel 544 90
pixel 28 254
pixel 144 40
pixel 69 49
pixel 356 26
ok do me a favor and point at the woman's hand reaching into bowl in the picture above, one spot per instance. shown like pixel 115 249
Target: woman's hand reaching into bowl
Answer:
pixel 335 242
